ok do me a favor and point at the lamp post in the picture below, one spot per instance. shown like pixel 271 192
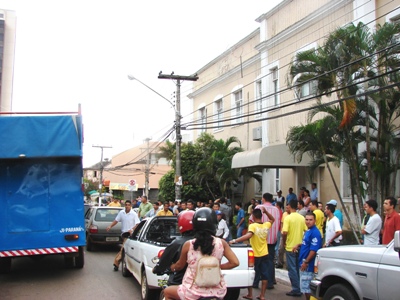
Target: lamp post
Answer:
pixel 101 169
pixel 178 176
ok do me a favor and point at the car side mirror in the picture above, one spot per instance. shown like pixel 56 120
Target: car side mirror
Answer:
pixel 397 242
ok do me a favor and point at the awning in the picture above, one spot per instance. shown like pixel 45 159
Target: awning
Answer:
pixel 275 156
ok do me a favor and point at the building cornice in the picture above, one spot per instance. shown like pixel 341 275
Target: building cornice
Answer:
pixel 230 50
pixel 299 26
pixel 273 10
pixel 223 77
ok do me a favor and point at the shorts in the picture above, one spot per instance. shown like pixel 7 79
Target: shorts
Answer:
pixel 261 266
pixel 305 280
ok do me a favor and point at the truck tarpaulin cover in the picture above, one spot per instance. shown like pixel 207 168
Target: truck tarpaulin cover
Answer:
pixel 40 182
pixel 40 136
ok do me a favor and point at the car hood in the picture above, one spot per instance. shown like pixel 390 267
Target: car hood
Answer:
pixel 356 253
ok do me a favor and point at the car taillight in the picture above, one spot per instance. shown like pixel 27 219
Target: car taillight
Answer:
pixel 250 258
pixel 160 253
pixel 93 229
pixel 316 263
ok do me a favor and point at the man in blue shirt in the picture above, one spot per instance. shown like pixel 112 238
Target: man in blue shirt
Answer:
pixel 314 192
pixel 240 222
pixel 312 242
pixel 290 196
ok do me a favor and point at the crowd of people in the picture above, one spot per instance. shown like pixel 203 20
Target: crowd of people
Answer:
pixel 295 227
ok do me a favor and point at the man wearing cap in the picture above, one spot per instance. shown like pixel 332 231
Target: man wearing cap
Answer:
pixel 333 234
pixel 222 230
pixel 338 213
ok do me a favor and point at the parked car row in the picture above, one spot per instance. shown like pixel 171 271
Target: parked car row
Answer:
pixel 97 219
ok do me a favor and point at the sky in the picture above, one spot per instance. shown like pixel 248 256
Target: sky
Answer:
pixel 81 52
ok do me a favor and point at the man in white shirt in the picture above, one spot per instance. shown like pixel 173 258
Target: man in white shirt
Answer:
pixel 129 220
pixel 333 234
pixel 373 227
pixel 222 230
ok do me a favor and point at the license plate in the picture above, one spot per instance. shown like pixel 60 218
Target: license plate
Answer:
pixel 112 239
pixel 162 282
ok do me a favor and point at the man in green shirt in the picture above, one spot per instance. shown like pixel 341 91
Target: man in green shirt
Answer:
pixel 144 207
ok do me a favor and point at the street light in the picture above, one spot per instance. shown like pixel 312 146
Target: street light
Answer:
pixel 177 108
pixel 101 169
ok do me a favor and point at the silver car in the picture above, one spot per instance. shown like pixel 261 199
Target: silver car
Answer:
pixel 97 219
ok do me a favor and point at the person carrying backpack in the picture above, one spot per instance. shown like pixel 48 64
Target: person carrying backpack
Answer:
pixel 203 256
pixel 172 251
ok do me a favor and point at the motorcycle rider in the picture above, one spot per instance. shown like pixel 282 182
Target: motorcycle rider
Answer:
pixel 173 251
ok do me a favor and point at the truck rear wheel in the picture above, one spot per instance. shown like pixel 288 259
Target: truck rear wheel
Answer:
pixel 125 271
pixel 232 294
pixel 80 259
pixel 5 265
pixel 147 293
pixel 340 292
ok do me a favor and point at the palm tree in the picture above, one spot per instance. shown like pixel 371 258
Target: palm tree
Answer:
pixel 168 151
pixel 358 67
pixel 319 140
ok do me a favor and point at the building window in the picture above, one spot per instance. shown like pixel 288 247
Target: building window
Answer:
pixel 275 86
pixel 203 119
pixel 238 106
pixel 307 89
pixel 277 179
pixel 258 102
pixel 218 108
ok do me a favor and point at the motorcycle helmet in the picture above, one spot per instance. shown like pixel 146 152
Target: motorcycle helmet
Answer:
pixel 185 219
pixel 205 219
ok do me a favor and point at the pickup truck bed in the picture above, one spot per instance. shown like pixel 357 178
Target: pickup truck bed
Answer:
pixel 152 235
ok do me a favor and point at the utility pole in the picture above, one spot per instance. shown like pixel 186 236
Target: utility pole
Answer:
pixel 178 78
pixel 101 169
pixel 147 170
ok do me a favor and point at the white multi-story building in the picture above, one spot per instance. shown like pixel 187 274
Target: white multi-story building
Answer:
pixel 7 53
pixel 244 91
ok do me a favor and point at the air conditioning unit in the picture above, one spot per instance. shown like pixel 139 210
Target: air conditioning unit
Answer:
pixel 257 134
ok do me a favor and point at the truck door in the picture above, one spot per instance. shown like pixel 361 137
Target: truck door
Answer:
pixel 388 274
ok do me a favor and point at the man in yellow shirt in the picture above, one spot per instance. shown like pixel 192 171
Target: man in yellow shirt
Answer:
pixel 292 233
pixel 257 234
pixel 165 211
pixel 114 203
pixel 319 216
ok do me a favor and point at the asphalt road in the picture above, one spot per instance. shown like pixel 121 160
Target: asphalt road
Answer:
pixel 48 278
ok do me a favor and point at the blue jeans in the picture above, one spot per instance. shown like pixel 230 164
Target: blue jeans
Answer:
pixel 292 261
pixel 239 232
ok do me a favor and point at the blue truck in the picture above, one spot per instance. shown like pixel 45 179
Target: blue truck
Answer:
pixel 41 188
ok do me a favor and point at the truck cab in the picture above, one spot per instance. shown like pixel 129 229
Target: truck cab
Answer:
pixel 357 272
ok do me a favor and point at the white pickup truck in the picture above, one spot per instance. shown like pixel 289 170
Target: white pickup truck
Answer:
pixel 142 250
pixel 358 272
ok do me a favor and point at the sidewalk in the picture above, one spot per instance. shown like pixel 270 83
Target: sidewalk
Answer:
pixel 282 276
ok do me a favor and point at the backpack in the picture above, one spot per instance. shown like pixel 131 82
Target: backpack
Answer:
pixel 208 272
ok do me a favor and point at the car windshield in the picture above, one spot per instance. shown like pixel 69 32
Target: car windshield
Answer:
pixel 106 215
